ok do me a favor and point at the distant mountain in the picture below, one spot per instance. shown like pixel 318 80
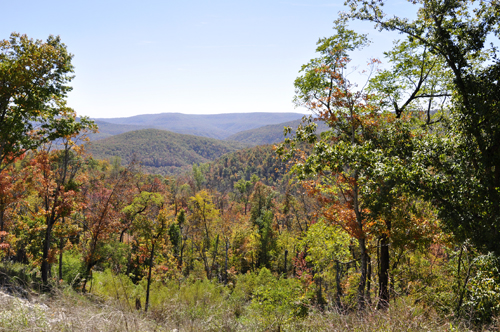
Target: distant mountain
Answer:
pixel 270 134
pixel 218 126
pixel 160 151
pixel 107 129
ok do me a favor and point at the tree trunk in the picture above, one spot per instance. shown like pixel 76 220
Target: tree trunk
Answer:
pixel 182 251
pixel 45 255
pixel 88 271
pixel 286 254
pixel 2 216
pixel 225 264
pixel 146 305
pixel 1 224
pixel 61 248
pixel 384 274
pixel 362 278
pixel 320 300
pixel 369 281
pixel 338 294
pixel 214 256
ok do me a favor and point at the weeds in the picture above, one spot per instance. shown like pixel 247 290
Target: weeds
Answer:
pixel 253 303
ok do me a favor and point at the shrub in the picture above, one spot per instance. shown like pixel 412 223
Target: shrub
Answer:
pixel 483 291
pixel 278 301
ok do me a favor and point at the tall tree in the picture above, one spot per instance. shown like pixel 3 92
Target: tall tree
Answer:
pixel 151 222
pixel 204 223
pixel 59 179
pixel 33 87
pixel 459 170
pixel 14 184
pixel 105 196
pixel 339 157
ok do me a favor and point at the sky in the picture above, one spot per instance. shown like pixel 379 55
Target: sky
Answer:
pixel 192 56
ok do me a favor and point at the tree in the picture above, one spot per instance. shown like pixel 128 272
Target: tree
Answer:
pixel 14 186
pixel 357 169
pixel 458 170
pixel 59 177
pixel 339 158
pixel 151 222
pixel 417 82
pixel 204 223
pixel 262 217
pixel 33 87
pixel 105 196
pixel 244 189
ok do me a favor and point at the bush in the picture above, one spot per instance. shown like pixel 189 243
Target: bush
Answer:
pixel 483 291
pixel 278 301
pixel 72 268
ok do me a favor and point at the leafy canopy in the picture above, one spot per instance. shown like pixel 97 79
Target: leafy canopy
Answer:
pixel 34 77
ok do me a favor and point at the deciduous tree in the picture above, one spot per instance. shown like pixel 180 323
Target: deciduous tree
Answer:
pixel 34 77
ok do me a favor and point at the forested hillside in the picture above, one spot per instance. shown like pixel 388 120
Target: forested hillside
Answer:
pixel 160 151
pixel 260 161
pixel 270 134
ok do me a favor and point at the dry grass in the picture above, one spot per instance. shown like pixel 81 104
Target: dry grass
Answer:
pixel 69 311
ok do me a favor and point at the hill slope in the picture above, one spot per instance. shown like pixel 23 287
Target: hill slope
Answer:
pixel 161 151
pixel 270 134
pixel 208 125
pixel 107 129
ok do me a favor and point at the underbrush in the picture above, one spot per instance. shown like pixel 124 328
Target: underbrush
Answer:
pixel 251 302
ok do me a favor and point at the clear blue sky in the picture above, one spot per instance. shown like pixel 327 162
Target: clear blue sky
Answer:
pixel 151 56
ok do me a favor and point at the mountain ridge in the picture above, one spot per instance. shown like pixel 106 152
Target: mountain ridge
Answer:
pixel 218 126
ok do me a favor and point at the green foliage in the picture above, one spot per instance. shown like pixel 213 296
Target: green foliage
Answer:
pixel 107 284
pixel 270 134
pixel 115 255
pixel 73 269
pixel 325 244
pixel 364 218
pixel 34 77
pixel 483 289
pixel 417 81
pixel 315 88
pixel 17 275
pixel 260 161
pixel 198 176
pixel 464 176
pixel 262 216
pixel 278 301
pixel 175 236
